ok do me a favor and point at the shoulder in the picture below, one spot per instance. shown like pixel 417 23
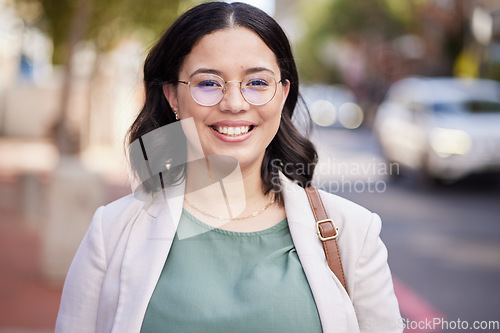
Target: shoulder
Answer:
pixel 345 213
pixel 353 220
pixel 359 229
pixel 113 221
pixel 122 209
pixel 345 210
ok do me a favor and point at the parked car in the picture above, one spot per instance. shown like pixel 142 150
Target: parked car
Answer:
pixel 443 128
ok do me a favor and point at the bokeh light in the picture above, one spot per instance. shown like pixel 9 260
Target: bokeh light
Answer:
pixel 323 113
pixel 350 115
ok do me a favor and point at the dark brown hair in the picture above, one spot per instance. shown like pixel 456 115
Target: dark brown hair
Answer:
pixel 289 147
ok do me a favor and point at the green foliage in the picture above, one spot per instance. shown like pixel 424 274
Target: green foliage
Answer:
pixel 363 17
pixel 114 18
pixel 106 22
pixel 328 21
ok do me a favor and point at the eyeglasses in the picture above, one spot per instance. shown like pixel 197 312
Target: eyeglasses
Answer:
pixel 209 89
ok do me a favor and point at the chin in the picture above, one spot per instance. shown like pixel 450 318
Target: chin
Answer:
pixel 245 160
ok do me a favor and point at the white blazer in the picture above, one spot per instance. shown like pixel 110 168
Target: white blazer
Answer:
pixel 117 266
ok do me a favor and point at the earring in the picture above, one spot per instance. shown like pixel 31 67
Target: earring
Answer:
pixel 176 115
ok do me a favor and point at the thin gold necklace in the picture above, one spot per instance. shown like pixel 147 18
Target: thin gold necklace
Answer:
pixel 228 218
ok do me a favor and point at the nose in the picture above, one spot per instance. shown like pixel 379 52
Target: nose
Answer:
pixel 233 100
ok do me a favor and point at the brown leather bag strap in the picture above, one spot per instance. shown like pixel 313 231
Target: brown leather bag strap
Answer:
pixel 327 233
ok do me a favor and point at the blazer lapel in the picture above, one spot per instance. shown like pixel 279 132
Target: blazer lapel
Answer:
pixel 328 293
pixel 147 249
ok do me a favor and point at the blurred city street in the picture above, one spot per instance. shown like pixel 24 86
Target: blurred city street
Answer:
pixel 443 241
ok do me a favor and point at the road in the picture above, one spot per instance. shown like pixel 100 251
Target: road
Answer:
pixel 443 242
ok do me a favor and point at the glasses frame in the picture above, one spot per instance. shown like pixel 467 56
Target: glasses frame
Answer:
pixel 225 87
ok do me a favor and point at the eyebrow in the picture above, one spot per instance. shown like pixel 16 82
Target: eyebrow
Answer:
pixel 219 73
pixel 258 69
pixel 205 71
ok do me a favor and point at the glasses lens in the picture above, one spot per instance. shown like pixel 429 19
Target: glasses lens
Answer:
pixel 258 89
pixel 207 89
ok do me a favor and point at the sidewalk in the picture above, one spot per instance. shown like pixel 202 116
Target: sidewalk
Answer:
pixel 26 302
pixel 29 303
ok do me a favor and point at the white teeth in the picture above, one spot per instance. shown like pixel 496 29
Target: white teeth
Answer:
pixel 233 131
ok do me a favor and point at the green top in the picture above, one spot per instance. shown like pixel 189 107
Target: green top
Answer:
pixel 220 281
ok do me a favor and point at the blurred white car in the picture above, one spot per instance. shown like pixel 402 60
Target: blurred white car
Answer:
pixel 444 128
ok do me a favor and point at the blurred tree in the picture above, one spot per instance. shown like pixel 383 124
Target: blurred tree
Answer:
pixel 329 21
pixel 101 22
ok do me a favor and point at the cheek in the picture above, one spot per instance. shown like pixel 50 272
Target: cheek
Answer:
pixel 273 119
pixel 187 106
pixel 276 110
pixel 277 125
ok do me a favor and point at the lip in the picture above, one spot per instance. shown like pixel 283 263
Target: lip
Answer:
pixel 233 123
pixel 232 139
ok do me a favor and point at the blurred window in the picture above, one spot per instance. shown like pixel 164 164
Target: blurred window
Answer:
pixel 467 107
pixel 447 108
pixel 483 107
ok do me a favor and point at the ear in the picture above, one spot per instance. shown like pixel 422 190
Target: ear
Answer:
pixel 286 90
pixel 170 93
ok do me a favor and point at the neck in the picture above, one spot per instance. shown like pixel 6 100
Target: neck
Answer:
pixel 217 186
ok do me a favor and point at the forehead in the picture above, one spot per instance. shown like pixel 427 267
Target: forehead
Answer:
pixel 230 51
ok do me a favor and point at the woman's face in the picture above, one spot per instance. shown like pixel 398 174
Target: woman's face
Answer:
pixel 232 54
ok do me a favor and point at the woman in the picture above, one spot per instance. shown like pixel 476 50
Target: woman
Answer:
pixel 228 241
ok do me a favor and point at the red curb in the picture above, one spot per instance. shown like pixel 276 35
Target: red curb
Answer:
pixel 416 309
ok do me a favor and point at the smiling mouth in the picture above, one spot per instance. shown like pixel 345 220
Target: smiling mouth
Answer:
pixel 233 131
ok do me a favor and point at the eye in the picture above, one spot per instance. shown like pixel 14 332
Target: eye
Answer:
pixel 257 83
pixel 208 84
